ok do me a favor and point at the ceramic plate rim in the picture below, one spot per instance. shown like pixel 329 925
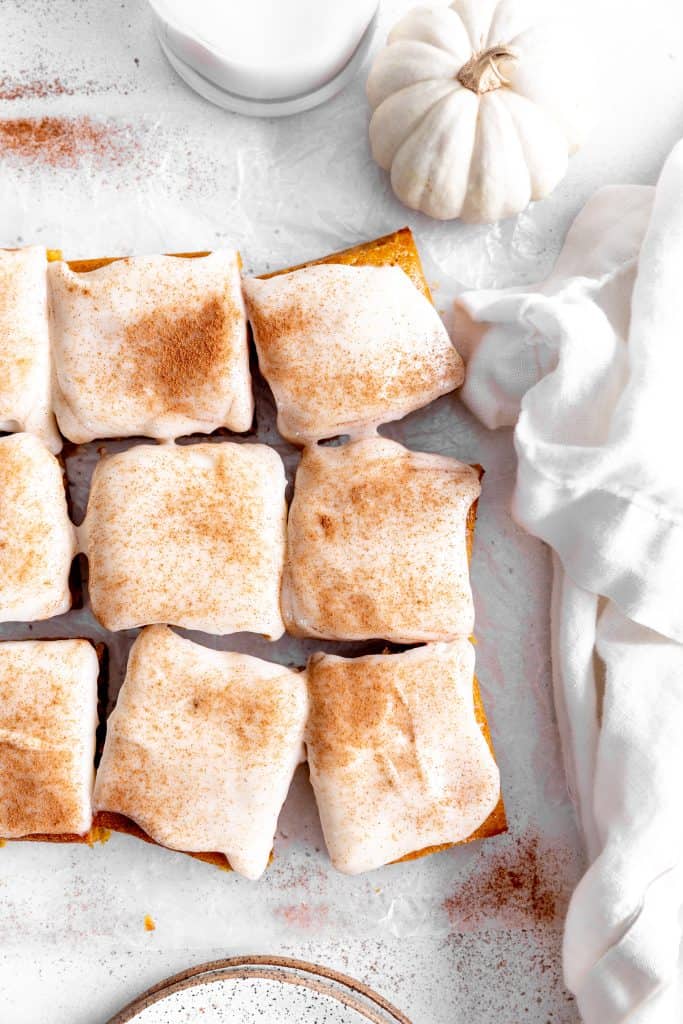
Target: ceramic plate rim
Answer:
pixel 274 968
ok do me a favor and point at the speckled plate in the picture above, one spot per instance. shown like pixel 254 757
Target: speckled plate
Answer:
pixel 260 990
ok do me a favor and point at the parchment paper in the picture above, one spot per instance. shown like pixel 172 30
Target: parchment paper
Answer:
pixel 472 934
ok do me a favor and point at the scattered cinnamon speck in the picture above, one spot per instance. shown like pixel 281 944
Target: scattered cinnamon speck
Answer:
pixel 62 141
pixel 304 915
pixel 309 877
pixel 43 86
pixel 150 926
pixel 12 89
pixel 526 884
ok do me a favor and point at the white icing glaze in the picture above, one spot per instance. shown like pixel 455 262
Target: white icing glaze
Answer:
pixel 151 345
pixel 397 759
pixel 37 539
pixel 48 717
pixel 25 345
pixel 202 747
pixel 376 544
pixel 346 348
pixel 192 535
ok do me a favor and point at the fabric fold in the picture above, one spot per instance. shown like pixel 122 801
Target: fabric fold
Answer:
pixel 587 366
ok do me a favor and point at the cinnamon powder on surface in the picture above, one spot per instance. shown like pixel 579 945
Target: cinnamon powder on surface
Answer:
pixel 523 885
pixel 61 141
pixel 12 89
pixel 40 89
pixel 306 916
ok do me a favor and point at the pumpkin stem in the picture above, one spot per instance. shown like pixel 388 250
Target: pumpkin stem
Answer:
pixel 481 73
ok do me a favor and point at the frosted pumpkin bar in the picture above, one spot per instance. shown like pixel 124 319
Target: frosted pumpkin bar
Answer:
pixel 154 346
pixel 201 748
pixel 37 540
pixel 190 535
pixel 25 403
pixel 399 754
pixel 377 544
pixel 48 718
pixel 351 341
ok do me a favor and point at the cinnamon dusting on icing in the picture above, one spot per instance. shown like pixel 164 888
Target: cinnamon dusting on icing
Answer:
pixel 202 747
pixel 397 760
pixel 22 555
pixel 150 345
pixel 24 347
pixel 36 536
pixel 293 317
pixel 192 535
pixel 348 715
pixel 175 352
pixel 48 700
pixel 377 544
pixel 345 348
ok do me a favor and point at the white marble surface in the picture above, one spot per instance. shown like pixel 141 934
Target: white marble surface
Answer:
pixel 470 935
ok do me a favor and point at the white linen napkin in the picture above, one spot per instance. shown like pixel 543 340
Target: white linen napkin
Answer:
pixel 588 367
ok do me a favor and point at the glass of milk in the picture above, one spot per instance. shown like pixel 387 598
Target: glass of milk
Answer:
pixel 265 57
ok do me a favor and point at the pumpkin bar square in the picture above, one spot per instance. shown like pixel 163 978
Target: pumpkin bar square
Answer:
pixel 201 748
pixel 48 718
pixel 25 403
pixel 399 754
pixel 351 341
pixel 37 539
pixel 378 544
pixel 154 346
pixel 190 535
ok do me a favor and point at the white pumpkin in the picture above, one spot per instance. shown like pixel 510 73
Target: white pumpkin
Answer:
pixel 477 107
